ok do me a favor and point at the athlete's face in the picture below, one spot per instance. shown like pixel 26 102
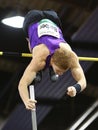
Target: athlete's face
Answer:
pixel 58 70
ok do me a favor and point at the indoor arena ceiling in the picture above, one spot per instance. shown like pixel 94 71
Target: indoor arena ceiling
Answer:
pixel 44 4
pixel 72 13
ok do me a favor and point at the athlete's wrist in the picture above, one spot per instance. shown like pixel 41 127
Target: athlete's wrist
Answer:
pixel 77 87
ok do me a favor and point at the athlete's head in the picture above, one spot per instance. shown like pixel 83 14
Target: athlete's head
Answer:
pixel 60 61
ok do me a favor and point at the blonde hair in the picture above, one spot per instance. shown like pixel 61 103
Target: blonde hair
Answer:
pixel 61 59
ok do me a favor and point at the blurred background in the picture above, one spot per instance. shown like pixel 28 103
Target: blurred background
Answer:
pixel 54 110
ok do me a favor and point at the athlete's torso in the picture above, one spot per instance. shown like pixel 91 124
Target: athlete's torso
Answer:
pixel 35 16
pixel 38 36
pixel 43 27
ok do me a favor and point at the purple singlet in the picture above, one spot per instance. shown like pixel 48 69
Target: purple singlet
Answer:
pixel 38 34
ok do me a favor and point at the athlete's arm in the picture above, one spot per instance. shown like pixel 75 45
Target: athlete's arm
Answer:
pixel 26 80
pixel 78 75
pixel 76 70
pixel 37 63
pixel 29 44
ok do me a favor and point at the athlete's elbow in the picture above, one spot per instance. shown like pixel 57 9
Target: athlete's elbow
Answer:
pixel 20 85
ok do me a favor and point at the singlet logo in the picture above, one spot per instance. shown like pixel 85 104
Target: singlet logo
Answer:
pixel 47 27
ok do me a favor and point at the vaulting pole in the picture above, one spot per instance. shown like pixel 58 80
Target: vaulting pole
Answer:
pixel 33 112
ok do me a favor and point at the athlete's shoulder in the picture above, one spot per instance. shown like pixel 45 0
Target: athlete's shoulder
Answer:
pixel 65 46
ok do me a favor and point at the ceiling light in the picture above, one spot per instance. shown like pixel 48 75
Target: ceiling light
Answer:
pixel 15 21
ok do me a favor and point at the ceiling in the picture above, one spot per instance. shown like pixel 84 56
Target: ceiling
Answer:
pixel 72 14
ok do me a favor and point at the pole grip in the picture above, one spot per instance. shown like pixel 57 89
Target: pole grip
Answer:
pixel 32 93
pixel 33 112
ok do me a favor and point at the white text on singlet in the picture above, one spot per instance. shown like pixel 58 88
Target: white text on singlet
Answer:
pixel 47 27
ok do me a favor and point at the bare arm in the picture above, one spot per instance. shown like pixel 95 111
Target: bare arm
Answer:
pixel 26 80
pixel 78 75
pixel 37 63
pixel 76 70
pixel 29 44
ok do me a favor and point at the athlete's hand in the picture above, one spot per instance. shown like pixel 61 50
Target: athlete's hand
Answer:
pixel 71 91
pixel 30 104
